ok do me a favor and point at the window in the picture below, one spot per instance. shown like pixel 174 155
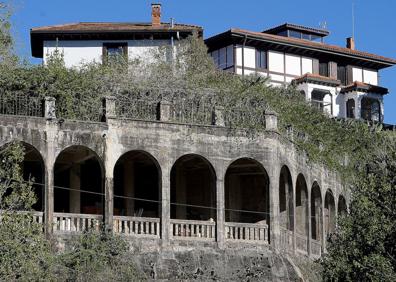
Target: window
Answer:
pixel 306 36
pixel 320 100
pixel 224 57
pixel 115 52
pixel 323 68
pixel 295 34
pixel 350 106
pixel 342 74
pixel 261 59
pixel 370 109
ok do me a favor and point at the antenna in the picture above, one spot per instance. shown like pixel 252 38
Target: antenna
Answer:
pixel 353 19
pixel 323 25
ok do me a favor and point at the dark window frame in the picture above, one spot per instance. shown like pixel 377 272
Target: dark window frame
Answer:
pixel 107 45
pixel 259 53
pixel 350 108
pixel 367 111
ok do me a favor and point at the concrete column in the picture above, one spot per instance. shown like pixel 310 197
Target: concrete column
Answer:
pixel 75 184
pixel 274 205
pixel 309 187
pixel 321 224
pixel 109 203
pixel 181 197
pixel 165 111
pixel 51 130
pixel 220 218
pixel 110 107
pixel 129 187
pixel 271 121
pixel 294 215
pixel 218 118
pixel 165 207
pixel 109 162
pixel 49 107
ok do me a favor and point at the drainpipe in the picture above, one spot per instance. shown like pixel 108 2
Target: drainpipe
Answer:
pixel 243 55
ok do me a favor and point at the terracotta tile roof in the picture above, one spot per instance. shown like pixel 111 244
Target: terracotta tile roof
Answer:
pixel 316 78
pixel 364 87
pixel 112 27
pixel 311 44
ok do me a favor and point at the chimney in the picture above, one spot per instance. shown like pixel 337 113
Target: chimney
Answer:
pixel 156 14
pixel 350 43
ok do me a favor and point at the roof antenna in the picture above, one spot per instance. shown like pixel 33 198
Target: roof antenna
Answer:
pixel 322 25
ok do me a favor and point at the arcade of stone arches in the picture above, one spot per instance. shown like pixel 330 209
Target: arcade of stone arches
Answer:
pixel 304 212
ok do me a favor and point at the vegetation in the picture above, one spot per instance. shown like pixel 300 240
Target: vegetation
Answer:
pixel 363 248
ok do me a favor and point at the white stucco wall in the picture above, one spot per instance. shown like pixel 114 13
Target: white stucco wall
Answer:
pixel 77 52
pixel 276 61
pixel 365 75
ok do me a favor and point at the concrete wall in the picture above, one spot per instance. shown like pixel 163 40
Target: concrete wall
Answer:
pixel 77 52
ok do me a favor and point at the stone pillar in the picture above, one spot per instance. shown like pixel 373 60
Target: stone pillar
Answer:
pixel 51 130
pixel 49 108
pixel 274 204
pixel 271 121
pixel 75 183
pixel 218 118
pixel 110 107
pixel 165 111
pixel 294 220
pixel 321 224
pixel 129 187
pixel 109 203
pixel 165 206
pixel 309 216
pixel 220 218
pixel 109 162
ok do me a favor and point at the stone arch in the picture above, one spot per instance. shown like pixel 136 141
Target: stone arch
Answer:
pixel 137 185
pixel 316 212
pixel 286 204
pixel 302 214
pixel 33 168
pixel 247 192
pixel 193 188
pixel 78 181
pixel 329 213
pixel 342 206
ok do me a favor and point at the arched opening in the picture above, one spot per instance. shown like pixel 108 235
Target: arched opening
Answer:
pixel 342 206
pixel 137 185
pixel 370 109
pixel 78 182
pixel 247 192
pixel 193 189
pixel 302 215
pixel 322 100
pixel 286 207
pixel 350 108
pixel 329 214
pixel 33 169
pixel 316 212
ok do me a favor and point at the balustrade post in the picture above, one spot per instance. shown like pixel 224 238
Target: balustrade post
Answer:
pixel 50 108
pixel 110 107
pixel 271 120
pixel 218 116
pixel 165 111
pixel 274 206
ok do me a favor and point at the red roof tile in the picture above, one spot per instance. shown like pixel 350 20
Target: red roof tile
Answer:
pixel 316 78
pixel 364 87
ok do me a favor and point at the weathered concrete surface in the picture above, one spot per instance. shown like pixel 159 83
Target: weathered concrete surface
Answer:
pixel 198 263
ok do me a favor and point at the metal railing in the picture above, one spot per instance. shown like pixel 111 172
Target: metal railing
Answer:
pixel 21 105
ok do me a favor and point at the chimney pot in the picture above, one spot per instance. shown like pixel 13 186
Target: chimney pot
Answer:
pixel 350 43
pixel 155 14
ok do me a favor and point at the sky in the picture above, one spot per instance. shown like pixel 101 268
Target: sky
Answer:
pixel 375 22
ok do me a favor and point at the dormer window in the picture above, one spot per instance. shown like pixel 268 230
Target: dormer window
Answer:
pixel 115 52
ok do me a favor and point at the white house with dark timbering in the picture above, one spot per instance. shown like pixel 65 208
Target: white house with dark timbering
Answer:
pixel 339 80
pixel 88 42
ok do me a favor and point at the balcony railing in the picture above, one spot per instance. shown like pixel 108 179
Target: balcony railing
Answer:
pixel 20 104
pixel 205 230
pixel 137 226
pixel 316 248
pixel 246 232
pixel 76 223
pixel 302 243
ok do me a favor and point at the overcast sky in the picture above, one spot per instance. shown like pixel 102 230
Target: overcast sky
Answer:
pixel 375 22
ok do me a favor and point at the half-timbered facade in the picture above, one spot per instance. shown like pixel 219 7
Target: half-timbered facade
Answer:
pixel 342 81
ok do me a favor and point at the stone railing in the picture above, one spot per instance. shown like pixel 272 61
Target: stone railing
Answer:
pixel 246 232
pixel 316 248
pixel 76 223
pixel 139 226
pixel 302 243
pixel 22 105
pixel 205 230
pixel 286 239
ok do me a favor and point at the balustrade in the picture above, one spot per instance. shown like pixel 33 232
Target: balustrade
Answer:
pixel 142 226
pixel 205 230
pixel 246 232
pixel 70 222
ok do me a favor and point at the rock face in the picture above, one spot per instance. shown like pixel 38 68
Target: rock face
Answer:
pixel 185 263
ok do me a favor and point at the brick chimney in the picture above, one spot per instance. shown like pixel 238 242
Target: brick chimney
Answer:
pixel 156 14
pixel 350 43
